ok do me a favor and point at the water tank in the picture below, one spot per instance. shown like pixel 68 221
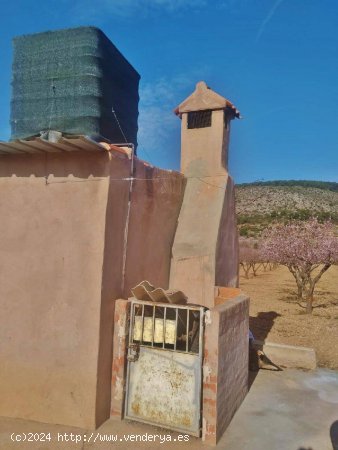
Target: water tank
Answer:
pixel 73 81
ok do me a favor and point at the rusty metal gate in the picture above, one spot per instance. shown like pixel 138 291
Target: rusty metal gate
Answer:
pixel 164 376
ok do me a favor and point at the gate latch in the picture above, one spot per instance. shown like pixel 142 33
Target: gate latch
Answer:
pixel 134 351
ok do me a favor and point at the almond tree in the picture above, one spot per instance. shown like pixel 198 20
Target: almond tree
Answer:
pixel 307 249
pixel 249 256
pixel 245 254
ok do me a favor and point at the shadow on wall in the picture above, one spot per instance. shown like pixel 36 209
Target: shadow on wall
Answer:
pixel 262 324
pixel 334 435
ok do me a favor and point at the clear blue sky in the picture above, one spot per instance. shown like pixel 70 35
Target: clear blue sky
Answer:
pixel 277 61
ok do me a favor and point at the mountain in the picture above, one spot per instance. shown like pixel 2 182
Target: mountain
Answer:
pixel 260 204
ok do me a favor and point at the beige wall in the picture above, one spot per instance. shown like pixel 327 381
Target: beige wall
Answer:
pixel 205 150
pixel 53 288
pixel 205 249
pixel 62 227
pixel 155 205
pixel 227 256
pixel 193 265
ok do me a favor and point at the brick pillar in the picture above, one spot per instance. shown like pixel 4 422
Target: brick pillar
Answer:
pixel 120 345
pixel 225 365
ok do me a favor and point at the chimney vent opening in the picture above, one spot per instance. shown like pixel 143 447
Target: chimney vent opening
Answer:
pixel 199 119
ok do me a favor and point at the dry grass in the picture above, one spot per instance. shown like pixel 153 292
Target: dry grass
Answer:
pixel 275 315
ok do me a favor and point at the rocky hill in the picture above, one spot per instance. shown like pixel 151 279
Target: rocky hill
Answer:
pixel 262 203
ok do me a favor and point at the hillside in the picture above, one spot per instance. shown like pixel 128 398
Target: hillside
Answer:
pixel 263 203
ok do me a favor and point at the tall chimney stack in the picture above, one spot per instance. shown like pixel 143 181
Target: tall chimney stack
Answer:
pixel 205 131
pixel 205 249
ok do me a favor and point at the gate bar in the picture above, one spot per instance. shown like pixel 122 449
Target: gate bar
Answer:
pixel 164 323
pixel 176 320
pixel 187 335
pixel 142 325
pixel 153 328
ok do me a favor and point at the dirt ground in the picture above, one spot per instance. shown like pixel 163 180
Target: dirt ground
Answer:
pixel 275 316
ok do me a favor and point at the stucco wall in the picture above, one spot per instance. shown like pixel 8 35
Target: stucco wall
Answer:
pixel 53 283
pixel 63 219
pixel 205 250
pixel 205 150
pixel 227 256
pixel 155 205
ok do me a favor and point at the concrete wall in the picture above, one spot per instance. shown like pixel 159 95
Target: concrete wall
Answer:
pixel 205 249
pixel 156 202
pixel 225 365
pixel 54 287
pixel 227 251
pixel 62 229
pixel 288 356
pixel 193 263
pixel 205 150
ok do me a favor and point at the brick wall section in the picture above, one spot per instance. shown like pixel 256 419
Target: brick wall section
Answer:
pixel 120 343
pixel 225 365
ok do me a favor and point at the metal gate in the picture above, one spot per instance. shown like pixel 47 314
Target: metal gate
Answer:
pixel 164 376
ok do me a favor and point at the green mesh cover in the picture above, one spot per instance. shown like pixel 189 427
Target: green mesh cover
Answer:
pixel 70 81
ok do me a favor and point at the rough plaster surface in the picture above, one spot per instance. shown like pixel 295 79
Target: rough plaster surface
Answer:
pixel 227 251
pixel 204 151
pixel 205 250
pixel 53 285
pixel 225 365
pixel 63 219
pixel 156 201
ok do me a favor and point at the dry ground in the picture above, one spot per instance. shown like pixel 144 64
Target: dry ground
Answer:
pixel 276 317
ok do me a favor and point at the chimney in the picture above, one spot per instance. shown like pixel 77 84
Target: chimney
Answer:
pixel 205 131
pixel 74 81
pixel 205 247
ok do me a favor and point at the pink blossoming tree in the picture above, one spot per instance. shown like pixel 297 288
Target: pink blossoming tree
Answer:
pixel 250 257
pixel 307 249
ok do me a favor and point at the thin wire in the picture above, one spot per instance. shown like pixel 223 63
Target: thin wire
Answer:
pixel 136 179
pixel 124 136
pixel 45 164
pixel 126 228
pixel 118 123
pixel 53 104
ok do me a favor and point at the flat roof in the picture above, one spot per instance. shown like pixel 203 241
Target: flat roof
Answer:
pixel 38 145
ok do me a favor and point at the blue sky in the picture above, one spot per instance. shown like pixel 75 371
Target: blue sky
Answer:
pixel 277 61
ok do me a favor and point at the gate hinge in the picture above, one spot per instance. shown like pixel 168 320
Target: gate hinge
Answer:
pixel 133 352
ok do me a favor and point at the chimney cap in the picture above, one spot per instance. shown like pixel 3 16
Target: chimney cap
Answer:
pixel 204 98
